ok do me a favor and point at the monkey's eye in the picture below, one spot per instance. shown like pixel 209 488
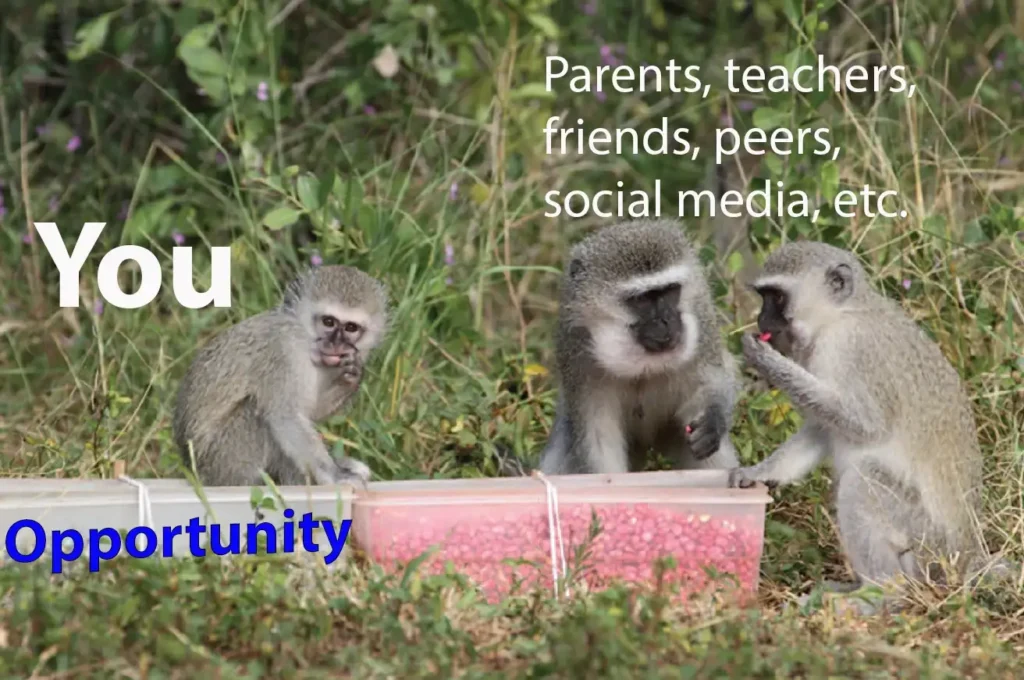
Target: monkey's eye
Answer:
pixel 328 321
pixel 351 327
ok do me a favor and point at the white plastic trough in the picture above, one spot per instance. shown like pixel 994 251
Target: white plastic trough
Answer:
pixel 84 505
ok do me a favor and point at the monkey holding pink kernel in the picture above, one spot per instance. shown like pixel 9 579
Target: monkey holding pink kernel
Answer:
pixel 640 357
pixel 251 397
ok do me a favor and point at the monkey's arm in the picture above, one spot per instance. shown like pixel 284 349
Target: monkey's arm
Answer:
pixel 791 462
pixel 300 442
pixel 598 436
pixel 848 408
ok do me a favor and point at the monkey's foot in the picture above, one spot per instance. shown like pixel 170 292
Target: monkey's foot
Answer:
pixel 352 471
pixel 743 478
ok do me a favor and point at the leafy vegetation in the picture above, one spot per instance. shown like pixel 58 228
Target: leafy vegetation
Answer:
pixel 406 138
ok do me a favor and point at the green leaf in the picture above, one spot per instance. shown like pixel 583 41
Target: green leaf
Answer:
pixel 768 118
pixel 203 59
pixel 281 217
pixel 326 185
pixel 90 37
pixel 735 262
pixel 308 187
pixel 215 86
pixel 199 36
pixel 915 52
pixel 531 91
pixel 829 180
pixel 544 24
pixel 349 194
pixel 147 217
pixel 974 234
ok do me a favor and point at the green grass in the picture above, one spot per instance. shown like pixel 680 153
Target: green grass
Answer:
pixel 456 384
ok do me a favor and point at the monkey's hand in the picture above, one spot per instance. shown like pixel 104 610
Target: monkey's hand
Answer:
pixel 352 369
pixel 704 434
pixel 761 356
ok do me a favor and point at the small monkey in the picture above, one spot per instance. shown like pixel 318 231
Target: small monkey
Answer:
pixel 639 355
pixel 252 395
pixel 880 401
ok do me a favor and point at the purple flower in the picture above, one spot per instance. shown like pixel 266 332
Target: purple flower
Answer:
pixel 262 91
pixel 906 284
pixel 178 238
pixel 601 96
pixel 201 92
pixel 1017 87
pixel 42 130
pixel 28 237
pixel 220 158
pixel 54 204
pixel 74 143
pixel 745 105
pixel 1003 160
pixel 610 54
pixel 607 57
pixel 453 191
pixel 449 254
pixel 448 280
pixel 369 110
pixel 726 119
pixel 315 259
pixel 3 210
pixel 1000 61
pixel 97 307
pixel 589 8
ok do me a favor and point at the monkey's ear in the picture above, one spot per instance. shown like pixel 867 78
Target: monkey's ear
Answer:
pixel 575 269
pixel 839 278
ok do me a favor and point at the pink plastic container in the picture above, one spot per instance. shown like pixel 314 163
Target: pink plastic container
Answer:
pixel 484 526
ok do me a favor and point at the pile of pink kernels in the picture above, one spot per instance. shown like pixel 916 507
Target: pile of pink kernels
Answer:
pixel 632 538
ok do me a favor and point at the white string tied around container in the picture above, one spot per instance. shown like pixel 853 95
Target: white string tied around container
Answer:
pixel 554 534
pixel 145 504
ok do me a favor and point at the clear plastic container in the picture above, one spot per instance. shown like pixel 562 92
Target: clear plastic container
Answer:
pixel 498 531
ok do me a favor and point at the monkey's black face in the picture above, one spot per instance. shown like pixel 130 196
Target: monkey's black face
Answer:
pixel 773 319
pixel 658 325
pixel 336 339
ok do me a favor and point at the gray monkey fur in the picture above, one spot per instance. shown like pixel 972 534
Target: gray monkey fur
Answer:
pixel 615 403
pixel 252 395
pixel 882 403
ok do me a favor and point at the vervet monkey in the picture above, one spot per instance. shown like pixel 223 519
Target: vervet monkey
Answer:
pixel 880 400
pixel 639 357
pixel 250 399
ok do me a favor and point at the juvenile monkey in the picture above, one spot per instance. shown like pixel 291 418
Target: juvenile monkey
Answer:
pixel 639 357
pixel 880 400
pixel 251 397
